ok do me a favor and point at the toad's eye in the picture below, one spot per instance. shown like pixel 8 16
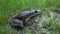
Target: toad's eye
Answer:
pixel 36 11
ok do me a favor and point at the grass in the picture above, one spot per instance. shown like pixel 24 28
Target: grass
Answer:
pixel 9 8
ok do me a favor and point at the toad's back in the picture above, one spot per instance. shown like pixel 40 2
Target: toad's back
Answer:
pixel 27 14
